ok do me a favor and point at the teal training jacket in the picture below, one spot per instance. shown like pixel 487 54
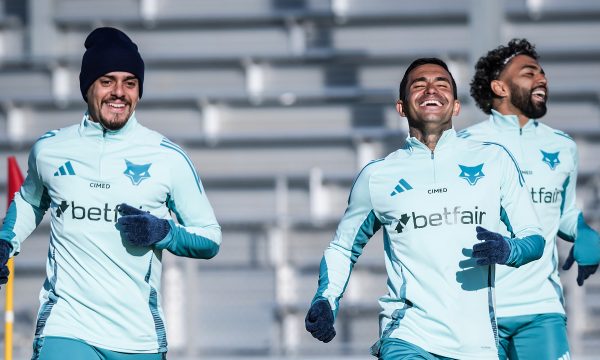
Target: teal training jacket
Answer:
pixel 428 204
pixel 548 160
pixel 99 289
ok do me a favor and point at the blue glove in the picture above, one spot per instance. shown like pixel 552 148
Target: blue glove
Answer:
pixel 140 228
pixel 319 321
pixel 5 249
pixel 583 271
pixel 494 250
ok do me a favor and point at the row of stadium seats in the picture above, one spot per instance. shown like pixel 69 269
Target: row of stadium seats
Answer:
pixel 279 103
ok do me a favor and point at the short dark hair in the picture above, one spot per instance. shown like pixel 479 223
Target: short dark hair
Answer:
pixel 490 66
pixel 417 63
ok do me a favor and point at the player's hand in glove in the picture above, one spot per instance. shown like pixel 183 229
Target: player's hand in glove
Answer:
pixel 583 271
pixel 5 249
pixel 493 250
pixel 585 251
pixel 319 321
pixel 141 228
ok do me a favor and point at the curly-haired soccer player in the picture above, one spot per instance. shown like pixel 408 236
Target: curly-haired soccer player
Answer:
pixel 510 85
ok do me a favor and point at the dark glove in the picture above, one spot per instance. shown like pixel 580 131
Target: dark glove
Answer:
pixel 141 228
pixel 5 249
pixel 583 271
pixel 494 250
pixel 319 321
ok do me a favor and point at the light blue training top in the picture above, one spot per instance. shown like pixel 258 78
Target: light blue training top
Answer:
pixel 428 204
pixel 100 289
pixel 548 160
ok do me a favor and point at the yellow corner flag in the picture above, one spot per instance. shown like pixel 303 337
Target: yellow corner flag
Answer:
pixel 15 180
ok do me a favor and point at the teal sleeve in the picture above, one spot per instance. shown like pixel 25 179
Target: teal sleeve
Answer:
pixel 357 226
pixel 516 209
pixel 524 250
pixel 19 224
pixel 27 208
pixel 517 212
pixel 182 243
pixel 573 227
pixel 569 213
pixel 197 234
pixel 587 244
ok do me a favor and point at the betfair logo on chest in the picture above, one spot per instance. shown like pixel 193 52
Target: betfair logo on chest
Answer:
pixel 551 159
pixel 456 216
pixel 545 196
pixel 66 208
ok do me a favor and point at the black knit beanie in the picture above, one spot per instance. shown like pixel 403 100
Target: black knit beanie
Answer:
pixel 108 50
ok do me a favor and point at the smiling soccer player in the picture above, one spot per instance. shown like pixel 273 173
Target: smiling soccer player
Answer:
pixel 511 86
pixel 101 297
pixel 434 200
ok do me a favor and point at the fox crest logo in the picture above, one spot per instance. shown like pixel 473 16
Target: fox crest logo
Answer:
pixel 551 159
pixel 471 173
pixel 136 173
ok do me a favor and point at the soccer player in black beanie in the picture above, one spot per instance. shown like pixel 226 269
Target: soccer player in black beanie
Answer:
pixel 110 186
pixel 109 49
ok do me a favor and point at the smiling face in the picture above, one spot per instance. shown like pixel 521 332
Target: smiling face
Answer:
pixel 112 98
pixel 527 87
pixel 430 99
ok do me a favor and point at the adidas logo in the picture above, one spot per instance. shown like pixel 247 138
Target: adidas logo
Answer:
pixel 565 356
pixel 401 187
pixel 66 169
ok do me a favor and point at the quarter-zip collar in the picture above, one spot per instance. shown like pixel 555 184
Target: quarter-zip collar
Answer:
pixel 510 122
pixel 89 128
pixel 446 140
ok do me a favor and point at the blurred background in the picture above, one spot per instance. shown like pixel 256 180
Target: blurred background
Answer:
pixel 279 103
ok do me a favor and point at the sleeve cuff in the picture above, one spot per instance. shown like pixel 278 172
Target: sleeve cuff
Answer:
pixel 166 242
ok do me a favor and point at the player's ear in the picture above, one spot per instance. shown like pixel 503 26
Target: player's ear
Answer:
pixel 400 108
pixel 499 88
pixel 456 108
